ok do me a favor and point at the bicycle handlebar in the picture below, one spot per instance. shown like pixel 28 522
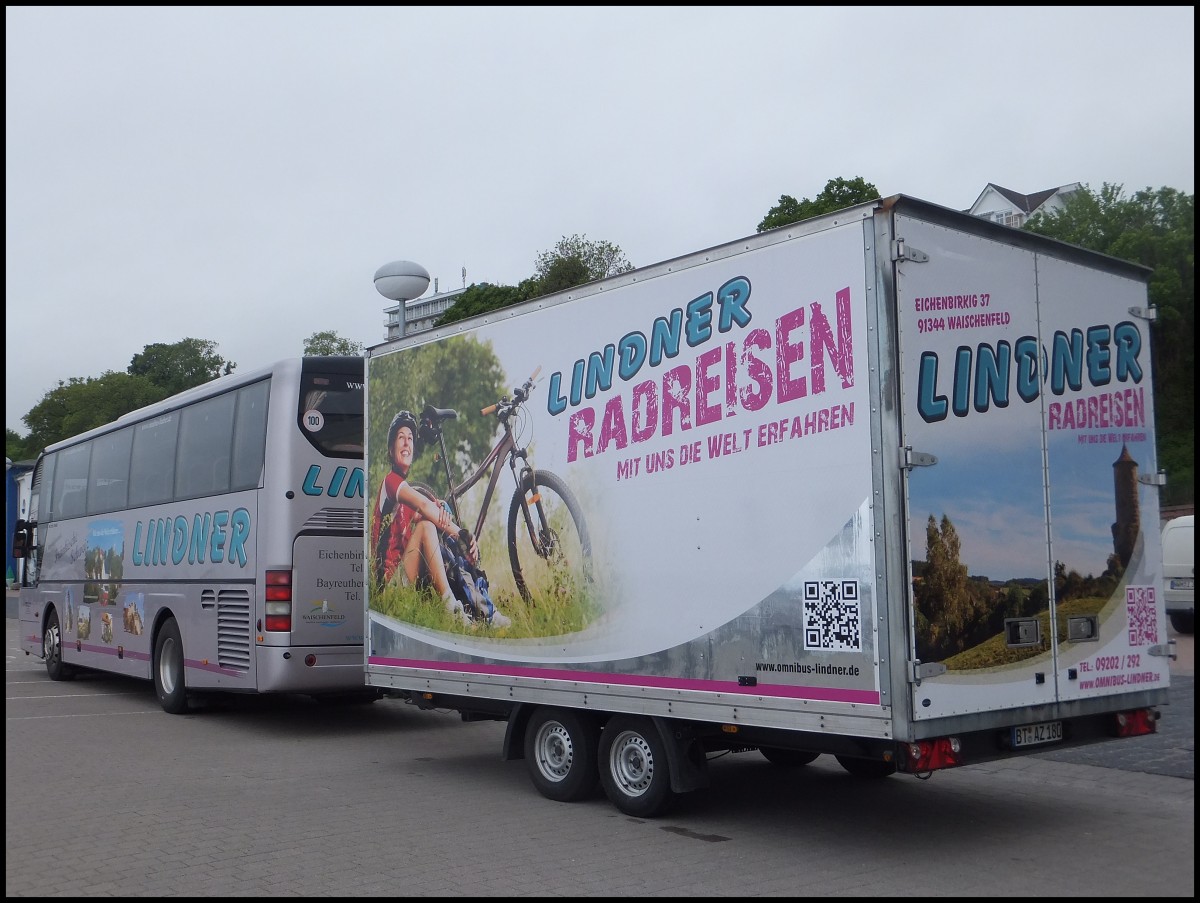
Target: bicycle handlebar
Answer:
pixel 519 396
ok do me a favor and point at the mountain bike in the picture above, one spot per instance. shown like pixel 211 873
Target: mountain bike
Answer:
pixel 549 548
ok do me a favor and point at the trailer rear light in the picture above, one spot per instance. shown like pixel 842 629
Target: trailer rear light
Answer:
pixel 930 755
pixel 1137 723
pixel 279 601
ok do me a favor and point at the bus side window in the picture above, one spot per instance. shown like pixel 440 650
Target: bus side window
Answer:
pixel 250 436
pixel 205 436
pixel 70 482
pixel 108 485
pixel 73 503
pixel 152 475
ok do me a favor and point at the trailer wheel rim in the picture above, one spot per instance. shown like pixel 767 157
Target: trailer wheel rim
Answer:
pixel 631 763
pixel 555 751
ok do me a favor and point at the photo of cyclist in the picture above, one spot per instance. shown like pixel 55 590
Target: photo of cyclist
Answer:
pixel 406 526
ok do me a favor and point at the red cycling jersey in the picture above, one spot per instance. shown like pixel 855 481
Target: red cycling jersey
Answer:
pixel 399 528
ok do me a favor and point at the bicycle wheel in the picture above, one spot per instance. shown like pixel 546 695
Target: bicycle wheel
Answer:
pixel 548 543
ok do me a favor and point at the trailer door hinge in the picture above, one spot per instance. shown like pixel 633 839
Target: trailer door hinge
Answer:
pixel 1146 313
pixel 920 670
pixel 910 459
pixel 1166 650
pixel 1153 479
pixel 901 251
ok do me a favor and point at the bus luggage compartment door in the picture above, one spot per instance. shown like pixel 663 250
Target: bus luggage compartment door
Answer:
pixel 327 590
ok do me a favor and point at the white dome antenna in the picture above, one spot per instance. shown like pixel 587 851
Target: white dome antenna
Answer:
pixel 401 280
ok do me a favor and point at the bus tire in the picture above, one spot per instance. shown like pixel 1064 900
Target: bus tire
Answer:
pixel 169 683
pixel 52 650
pixel 634 770
pixel 560 753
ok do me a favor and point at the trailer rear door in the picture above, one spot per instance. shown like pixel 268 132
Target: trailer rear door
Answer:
pixel 1027 414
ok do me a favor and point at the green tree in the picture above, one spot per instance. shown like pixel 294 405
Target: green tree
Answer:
pixel 180 365
pixel 17 447
pixel 83 403
pixel 481 297
pixel 1157 229
pixel 575 260
pixel 838 194
pixel 459 373
pixel 329 342
pixel 1014 602
pixel 942 595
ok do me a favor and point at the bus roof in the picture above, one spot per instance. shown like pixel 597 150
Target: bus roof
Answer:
pixel 336 363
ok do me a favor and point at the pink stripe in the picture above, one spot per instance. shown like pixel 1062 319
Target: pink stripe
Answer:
pixel 197 664
pixel 824 694
pixel 213 669
pixel 109 650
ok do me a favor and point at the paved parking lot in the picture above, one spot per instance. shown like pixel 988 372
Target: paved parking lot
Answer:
pixel 108 796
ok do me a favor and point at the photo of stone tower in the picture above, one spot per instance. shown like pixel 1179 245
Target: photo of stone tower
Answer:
pixel 1129 519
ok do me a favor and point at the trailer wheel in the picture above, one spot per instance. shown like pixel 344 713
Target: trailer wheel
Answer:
pixel 560 753
pixel 56 668
pixel 633 767
pixel 168 669
pixel 788 758
pixel 867 768
pixel 1184 622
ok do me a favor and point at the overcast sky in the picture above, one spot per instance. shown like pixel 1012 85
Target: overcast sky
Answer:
pixel 238 174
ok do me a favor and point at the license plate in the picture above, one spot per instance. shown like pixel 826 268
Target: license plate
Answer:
pixel 1183 583
pixel 1033 734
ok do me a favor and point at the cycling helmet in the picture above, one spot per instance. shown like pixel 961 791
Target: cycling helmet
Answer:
pixel 402 418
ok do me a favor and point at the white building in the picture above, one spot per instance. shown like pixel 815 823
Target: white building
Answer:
pixel 1011 208
pixel 419 314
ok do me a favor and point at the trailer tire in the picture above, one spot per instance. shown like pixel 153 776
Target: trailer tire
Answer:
pixel 634 769
pixel 169 683
pixel 52 651
pixel 787 758
pixel 1184 622
pixel 560 753
pixel 867 768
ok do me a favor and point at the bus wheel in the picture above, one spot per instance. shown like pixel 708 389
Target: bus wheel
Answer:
pixel 560 752
pixel 633 767
pixel 168 669
pixel 52 650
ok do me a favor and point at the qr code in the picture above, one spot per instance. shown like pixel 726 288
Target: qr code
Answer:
pixel 831 617
pixel 1143 620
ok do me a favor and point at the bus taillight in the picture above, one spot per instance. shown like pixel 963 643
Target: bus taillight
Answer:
pixel 279 601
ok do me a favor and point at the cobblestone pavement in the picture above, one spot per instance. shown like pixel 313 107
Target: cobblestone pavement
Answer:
pixel 1171 751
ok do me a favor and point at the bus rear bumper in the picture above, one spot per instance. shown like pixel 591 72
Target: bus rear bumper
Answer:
pixel 311 669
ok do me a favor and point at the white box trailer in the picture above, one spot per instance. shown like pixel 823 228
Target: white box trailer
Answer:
pixel 880 485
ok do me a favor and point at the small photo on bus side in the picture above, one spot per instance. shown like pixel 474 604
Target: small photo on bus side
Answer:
pixel 135 614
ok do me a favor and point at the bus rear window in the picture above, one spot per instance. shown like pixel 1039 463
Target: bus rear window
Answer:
pixel 331 413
